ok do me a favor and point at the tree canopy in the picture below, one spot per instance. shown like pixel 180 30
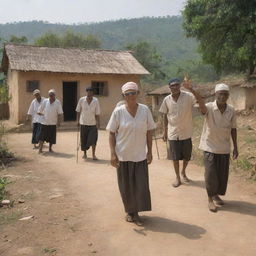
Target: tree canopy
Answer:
pixel 68 39
pixel 226 31
pixel 148 56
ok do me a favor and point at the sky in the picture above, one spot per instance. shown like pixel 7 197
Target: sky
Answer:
pixel 83 11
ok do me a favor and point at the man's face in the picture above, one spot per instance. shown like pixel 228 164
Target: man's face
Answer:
pixel 52 96
pixel 130 95
pixel 37 96
pixel 222 97
pixel 89 93
pixel 175 88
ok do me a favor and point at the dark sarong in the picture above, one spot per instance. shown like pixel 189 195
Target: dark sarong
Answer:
pixel 216 173
pixel 36 132
pixel 88 136
pixel 48 133
pixel 133 185
pixel 180 149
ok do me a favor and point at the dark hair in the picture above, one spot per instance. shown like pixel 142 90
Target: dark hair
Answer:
pixel 174 81
pixel 89 89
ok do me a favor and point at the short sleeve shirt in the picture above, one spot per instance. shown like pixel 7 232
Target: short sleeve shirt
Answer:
pixel 50 111
pixel 217 127
pixel 88 111
pixel 179 115
pixel 33 110
pixel 131 132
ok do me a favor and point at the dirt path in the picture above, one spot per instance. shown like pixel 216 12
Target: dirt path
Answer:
pixel 78 209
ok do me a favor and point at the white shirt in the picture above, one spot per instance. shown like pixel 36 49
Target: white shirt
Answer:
pixel 50 111
pixel 33 110
pixel 179 115
pixel 88 111
pixel 131 137
pixel 217 127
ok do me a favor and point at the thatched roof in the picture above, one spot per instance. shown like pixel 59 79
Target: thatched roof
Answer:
pixel 70 60
pixel 207 89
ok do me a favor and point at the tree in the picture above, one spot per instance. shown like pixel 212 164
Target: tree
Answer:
pixel 18 40
pixel 148 56
pixel 226 31
pixel 69 39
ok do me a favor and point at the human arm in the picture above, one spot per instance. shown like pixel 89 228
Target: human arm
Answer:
pixel 97 117
pixel 149 146
pixel 165 127
pixel 112 143
pixel 60 119
pixel 234 139
pixel 188 85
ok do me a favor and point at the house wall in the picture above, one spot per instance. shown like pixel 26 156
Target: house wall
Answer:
pixel 12 83
pixel 50 80
pixel 237 98
pixel 250 97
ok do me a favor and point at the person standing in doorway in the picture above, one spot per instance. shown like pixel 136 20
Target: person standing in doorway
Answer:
pixel 52 112
pixel 177 109
pixel 88 117
pixel 219 127
pixel 36 119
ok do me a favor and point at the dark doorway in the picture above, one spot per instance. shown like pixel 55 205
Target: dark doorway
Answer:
pixel 69 100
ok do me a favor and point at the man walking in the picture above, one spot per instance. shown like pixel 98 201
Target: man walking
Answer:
pixel 36 119
pixel 219 126
pixel 52 111
pixel 88 116
pixel 177 109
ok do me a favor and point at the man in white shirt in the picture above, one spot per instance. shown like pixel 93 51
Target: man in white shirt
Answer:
pixel 36 119
pixel 88 117
pixel 177 109
pixel 219 127
pixel 52 111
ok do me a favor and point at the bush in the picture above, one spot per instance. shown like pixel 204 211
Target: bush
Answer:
pixel 3 183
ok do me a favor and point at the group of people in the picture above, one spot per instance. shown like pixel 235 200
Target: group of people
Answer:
pixel 131 126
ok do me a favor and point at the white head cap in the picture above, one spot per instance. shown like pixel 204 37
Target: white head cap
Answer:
pixel 221 87
pixel 36 91
pixel 130 86
pixel 52 91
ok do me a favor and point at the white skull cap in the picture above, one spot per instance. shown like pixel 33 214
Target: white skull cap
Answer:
pixel 36 91
pixel 221 87
pixel 130 86
pixel 52 91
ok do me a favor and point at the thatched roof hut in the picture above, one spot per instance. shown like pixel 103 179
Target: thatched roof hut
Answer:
pixel 70 60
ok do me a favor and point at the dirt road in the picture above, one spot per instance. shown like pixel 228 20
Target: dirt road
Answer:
pixel 78 211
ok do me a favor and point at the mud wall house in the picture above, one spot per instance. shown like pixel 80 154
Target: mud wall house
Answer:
pixel 69 71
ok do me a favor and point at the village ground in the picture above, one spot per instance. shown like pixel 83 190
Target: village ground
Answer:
pixel 78 211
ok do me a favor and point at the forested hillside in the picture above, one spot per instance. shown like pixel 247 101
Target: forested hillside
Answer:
pixel 164 33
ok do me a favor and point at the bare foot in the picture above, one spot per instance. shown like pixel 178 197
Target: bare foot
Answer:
pixel 84 156
pixel 185 178
pixel 129 217
pixel 95 158
pixel 177 183
pixel 218 200
pixel 212 207
pixel 40 152
pixel 137 220
pixel 50 150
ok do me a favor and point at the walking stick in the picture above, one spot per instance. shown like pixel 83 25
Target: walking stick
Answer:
pixel 77 142
pixel 156 145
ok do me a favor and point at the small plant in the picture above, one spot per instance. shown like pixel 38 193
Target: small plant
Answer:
pixel 244 164
pixel 3 183
pixel 49 250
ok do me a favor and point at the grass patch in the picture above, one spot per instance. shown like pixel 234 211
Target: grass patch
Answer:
pixel 3 183
pixel 49 250
pixel 8 218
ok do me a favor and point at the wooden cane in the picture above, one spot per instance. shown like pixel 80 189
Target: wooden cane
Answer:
pixel 77 142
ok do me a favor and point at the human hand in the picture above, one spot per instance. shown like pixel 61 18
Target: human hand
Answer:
pixel 114 160
pixel 187 83
pixel 149 158
pixel 165 136
pixel 235 153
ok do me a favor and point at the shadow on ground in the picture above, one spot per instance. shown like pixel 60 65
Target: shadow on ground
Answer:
pixel 58 154
pixel 239 207
pixel 163 225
